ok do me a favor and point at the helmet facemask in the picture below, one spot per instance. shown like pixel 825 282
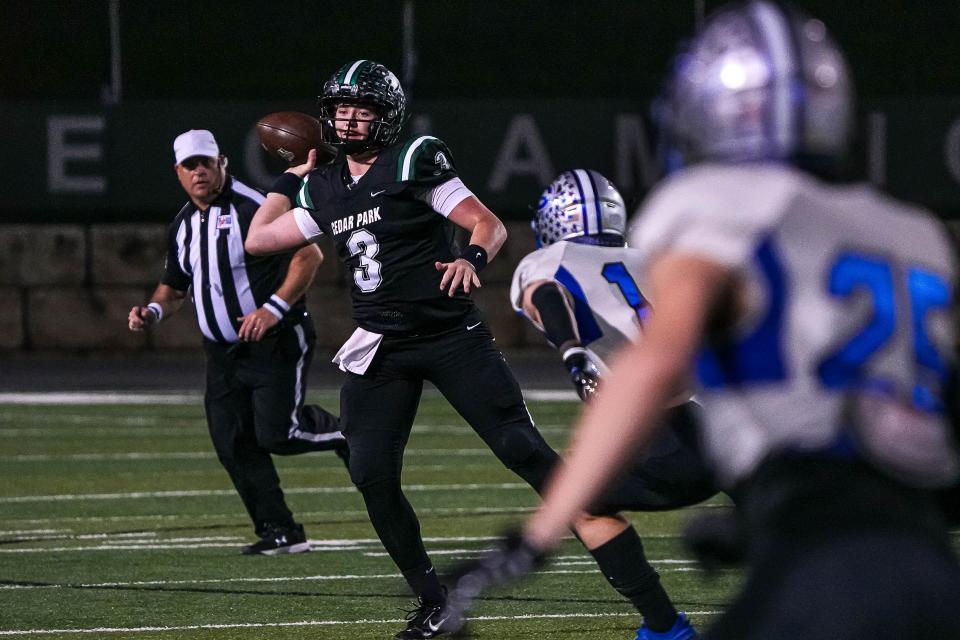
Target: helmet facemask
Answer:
pixel 366 83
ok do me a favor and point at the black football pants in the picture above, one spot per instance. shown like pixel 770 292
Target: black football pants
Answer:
pixel 378 408
pixel 838 551
pixel 254 404
pixel 670 473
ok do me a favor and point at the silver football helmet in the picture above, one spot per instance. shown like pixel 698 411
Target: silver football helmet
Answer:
pixel 580 205
pixel 761 81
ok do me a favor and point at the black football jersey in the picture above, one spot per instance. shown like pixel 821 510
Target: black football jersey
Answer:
pixel 389 238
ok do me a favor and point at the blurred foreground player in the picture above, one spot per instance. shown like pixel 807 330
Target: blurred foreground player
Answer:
pixel 818 321
pixel 391 206
pixel 256 333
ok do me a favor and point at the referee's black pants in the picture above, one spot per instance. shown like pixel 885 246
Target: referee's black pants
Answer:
pixel 378 408
pixel 254 405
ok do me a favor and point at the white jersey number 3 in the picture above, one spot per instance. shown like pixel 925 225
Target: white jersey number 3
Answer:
pixel 364 244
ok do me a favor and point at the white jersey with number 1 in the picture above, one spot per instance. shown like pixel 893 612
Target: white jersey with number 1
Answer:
pixel 602 282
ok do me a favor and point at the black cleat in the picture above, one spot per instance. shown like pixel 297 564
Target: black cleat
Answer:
pixel 424 622
pixel 278 540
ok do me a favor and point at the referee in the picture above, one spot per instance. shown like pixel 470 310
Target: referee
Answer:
pixel 257 336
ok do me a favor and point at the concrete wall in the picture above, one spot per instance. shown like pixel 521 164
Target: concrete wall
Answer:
pixel 69 288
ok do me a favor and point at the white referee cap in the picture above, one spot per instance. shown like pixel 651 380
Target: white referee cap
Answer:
pixel 196 142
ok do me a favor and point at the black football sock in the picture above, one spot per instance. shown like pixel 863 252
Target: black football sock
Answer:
pixel 399 531
pixel 625 566
pixel 425 583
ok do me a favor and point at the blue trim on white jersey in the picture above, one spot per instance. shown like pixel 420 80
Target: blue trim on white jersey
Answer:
pixel 586 324
pixel 758 357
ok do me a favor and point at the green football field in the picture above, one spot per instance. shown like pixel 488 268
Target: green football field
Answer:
pixel 117 521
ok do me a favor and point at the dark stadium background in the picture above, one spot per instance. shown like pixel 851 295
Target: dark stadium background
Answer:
pixel 465 49
pixel 462 50
pixel 573 68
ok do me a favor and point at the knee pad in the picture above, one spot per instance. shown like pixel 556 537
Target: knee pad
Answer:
pixel 523 450
pixel 368 471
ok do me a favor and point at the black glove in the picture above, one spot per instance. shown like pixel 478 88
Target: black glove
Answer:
pixel 583 372
pixel 511 559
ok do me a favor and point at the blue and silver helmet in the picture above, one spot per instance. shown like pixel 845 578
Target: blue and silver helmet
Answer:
pixel 580 205
pixel 761 81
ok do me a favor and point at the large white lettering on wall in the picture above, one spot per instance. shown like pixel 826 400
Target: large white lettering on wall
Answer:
pixel 522 153
pixel 60 152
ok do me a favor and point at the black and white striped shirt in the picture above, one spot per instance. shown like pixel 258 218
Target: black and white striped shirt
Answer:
pixel 205 254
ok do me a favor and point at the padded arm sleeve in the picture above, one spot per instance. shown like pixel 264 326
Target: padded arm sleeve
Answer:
pixel 555 315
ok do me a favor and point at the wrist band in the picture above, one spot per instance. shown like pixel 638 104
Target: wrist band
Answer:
pixel 277 306
pixel 157 310
pixel 288 184
pixel 475 255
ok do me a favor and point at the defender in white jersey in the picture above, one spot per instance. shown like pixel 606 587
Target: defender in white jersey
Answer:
pixel 579 227
pixel 580 288
pixel 817 319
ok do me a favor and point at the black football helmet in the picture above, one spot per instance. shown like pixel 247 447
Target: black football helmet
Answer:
pixel 364 82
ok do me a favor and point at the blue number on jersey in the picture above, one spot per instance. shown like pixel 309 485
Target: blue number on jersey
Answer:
pixel 927 291
pixel 758 356
pixel 616 273
pixel 852 273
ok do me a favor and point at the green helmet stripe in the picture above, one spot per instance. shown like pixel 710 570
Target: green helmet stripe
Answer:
pixel 408 157
pixel 350 75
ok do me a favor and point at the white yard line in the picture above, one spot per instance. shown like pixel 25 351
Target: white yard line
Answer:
pixel 97 397
pixel 200 432
pixel 323 623
pixel 228 517
pixel 288 579
pixel 180 398
pixel 187 455
pixel 194 493
pixel 150 541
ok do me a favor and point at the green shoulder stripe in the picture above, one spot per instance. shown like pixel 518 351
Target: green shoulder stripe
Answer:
pixel 303 196
pixel 407 159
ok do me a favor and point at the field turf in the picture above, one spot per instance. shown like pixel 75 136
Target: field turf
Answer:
pixel 117 521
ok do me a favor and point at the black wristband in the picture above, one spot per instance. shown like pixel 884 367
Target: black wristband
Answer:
pixel 288 184
pixel 475 255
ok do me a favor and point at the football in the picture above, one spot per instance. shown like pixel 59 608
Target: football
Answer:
pixel 289 135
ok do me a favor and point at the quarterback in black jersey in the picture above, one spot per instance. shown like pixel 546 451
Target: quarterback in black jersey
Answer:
pixel 389 235
pixel 391 206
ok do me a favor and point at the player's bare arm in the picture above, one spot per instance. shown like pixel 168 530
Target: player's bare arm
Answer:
pixel 641 382
pixel 165 301
pixel 486 232
pixel 300 274
pixel 273 228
